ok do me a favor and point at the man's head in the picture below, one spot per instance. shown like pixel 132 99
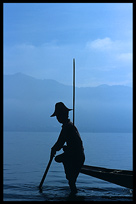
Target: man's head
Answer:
pixel 61 112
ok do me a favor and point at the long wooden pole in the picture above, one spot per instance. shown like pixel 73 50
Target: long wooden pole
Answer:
pixel 73 91
pixel 46 171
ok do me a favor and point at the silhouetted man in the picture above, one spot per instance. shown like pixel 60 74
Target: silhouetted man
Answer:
pixel 73 156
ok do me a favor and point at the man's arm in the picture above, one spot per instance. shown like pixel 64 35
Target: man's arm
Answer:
pixel 59 144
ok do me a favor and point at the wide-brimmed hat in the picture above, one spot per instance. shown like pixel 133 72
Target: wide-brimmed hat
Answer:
pixel 59 108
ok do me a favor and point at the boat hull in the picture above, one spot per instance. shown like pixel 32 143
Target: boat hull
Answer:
pixel 120 177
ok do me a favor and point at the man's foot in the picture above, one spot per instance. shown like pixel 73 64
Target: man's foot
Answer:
pixel 73 188
pixel 74 192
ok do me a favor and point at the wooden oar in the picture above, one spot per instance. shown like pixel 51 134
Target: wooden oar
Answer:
pixel 46 171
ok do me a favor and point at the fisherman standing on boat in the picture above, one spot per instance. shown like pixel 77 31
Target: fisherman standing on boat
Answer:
pixel 73 156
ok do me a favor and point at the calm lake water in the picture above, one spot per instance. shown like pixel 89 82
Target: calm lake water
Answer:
pixel 26 156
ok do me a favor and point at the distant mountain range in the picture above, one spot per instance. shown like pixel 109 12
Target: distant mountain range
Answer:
pixel 29 102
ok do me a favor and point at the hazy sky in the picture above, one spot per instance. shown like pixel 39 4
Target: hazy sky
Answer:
pixel 41 40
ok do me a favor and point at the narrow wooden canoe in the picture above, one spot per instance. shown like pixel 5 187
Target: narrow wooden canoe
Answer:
pixel 120 177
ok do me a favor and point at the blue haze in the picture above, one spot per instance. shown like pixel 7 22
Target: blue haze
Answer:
pixel 29 102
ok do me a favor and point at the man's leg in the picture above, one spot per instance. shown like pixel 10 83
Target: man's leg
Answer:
pixel 72 186
pixel 59 158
